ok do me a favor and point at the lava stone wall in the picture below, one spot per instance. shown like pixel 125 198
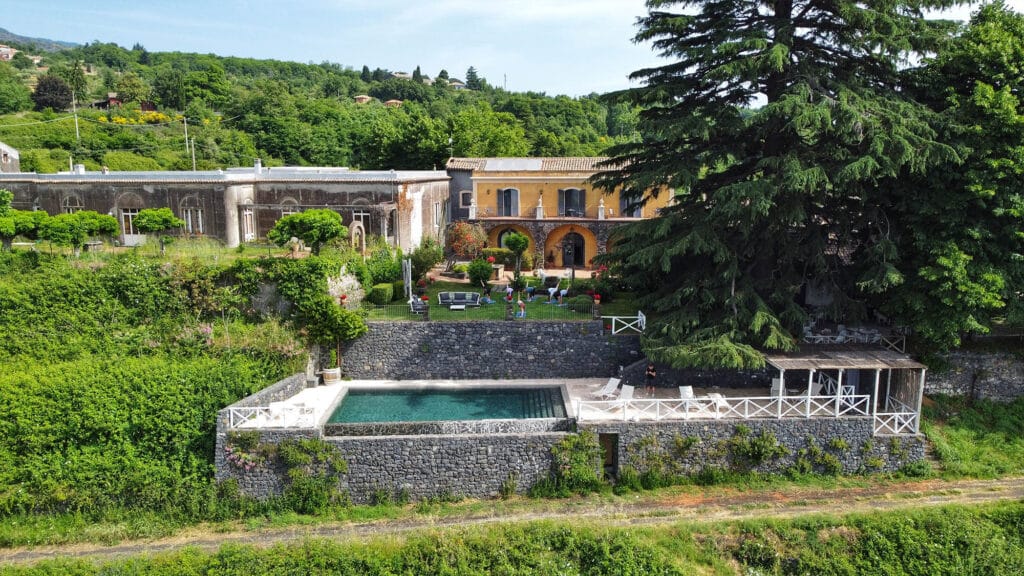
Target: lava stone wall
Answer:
pixel 425 466
pixel 496 349
pixel 989 376
pixel 706 442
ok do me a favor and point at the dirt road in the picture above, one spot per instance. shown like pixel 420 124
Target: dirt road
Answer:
pixel 716 505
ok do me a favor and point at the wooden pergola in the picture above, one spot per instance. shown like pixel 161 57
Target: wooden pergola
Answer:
pixel 896 409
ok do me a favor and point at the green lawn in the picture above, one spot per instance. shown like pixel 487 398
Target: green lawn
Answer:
pixel 537 309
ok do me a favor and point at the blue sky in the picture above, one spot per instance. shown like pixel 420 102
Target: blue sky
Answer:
pixel 571 47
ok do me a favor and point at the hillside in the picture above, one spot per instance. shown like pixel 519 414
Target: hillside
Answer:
pixel 43 44
pixel 282 112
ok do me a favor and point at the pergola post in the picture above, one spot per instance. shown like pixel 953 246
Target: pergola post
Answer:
pixel 839 390
pixel 888 389
pixel 874 397
pixel 807 401
pixel 920 400
pixel 782 393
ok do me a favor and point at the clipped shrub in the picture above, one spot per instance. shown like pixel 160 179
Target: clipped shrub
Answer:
pixel 381 294
pixel 508 257
pixel 398 290
pixel 479 272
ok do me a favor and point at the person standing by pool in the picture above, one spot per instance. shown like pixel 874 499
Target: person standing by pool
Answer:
pixel 649 377
pixel 522 308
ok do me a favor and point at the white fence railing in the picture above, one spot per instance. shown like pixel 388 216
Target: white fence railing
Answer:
pixel 629 324
pixel 272 417
pixel 898 418
pixel 742 408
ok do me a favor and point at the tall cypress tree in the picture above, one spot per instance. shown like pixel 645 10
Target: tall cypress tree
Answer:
pixel 773 125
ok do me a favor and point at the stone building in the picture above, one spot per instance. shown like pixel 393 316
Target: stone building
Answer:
pixel 10 161
pixel 550 200
pixel 242 204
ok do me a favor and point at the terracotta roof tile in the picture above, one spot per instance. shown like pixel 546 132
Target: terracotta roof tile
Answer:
pixel 564 164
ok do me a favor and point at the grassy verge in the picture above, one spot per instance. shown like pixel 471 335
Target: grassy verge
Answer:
pixel 978 439
pixel 952 540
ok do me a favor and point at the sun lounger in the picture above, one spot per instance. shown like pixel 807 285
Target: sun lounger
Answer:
pixel 609 390
pixel 686 393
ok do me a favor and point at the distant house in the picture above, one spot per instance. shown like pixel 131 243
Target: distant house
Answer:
pixel 456 84
pixel 6 52
pixel 393 103
pixel 401 75
pixel 362 99
pixel 107 103
pixel 10 161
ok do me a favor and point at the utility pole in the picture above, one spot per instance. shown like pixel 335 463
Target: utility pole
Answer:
pixel 74 110
pixel 186 133
pixel 193 154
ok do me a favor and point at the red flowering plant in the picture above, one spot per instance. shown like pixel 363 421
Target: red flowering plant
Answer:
pixel 425 298
pixel 490 259
pixel 466 240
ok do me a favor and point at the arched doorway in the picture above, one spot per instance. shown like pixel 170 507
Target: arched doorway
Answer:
pixel 574 251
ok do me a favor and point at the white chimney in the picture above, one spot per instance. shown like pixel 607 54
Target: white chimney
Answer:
pixel 259 166
pixel 79 169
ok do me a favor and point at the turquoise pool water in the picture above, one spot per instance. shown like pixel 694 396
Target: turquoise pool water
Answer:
pixel 435 404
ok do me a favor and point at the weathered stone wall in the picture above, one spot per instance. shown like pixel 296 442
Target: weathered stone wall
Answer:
pixel 257 482
pixel 421 466
pixel 988 376
pixel 437 466
pixel 706 443
pixel 468 350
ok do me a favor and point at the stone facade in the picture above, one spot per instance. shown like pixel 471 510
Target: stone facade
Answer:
pixel 468 350
pixel 426 466
pixel 242 205
pixel 694 445
pixel 988 376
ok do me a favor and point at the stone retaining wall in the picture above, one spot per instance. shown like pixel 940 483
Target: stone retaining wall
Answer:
pixel 420 467
pixel 495 349
pixel 989 376
pixel 444 466
pixel 695 445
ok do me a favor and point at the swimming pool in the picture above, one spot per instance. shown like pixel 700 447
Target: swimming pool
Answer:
pixel 438 404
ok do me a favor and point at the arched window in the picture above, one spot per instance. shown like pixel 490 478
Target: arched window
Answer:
pixel 508 202
pixel 289 206
pixel 71 204
pixel 572 202
pixel 573 250
pixel 503 236
pixel 629 208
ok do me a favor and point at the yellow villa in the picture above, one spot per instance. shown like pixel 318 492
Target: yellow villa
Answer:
pixel 548 199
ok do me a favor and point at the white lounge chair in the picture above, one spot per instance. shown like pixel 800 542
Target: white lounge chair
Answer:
pixel 627 392
pixel 778 390
pixel 686 393
pixel 609 390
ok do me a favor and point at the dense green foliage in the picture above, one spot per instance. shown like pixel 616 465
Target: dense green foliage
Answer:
pixel 313 227
pixel 284 112
pixel 113 376
pixel 842 183
pixel 935 542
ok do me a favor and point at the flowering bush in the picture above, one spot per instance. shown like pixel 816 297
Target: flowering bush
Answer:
pixel 425 298
pixel 490 259
pixel 466 240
